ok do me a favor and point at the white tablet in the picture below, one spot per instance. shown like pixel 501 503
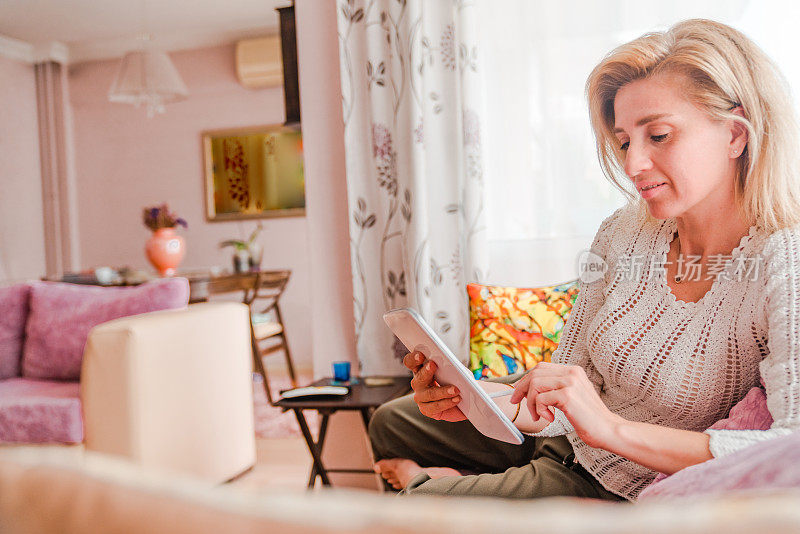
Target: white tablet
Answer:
pixel 476 404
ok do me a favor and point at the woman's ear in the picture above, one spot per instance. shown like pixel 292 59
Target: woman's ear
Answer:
pixel 739 134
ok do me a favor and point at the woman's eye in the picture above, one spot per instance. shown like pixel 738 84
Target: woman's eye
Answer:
pixel 625 145
pixel 659 138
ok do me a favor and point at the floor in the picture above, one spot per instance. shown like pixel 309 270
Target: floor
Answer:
pixel 280 463
pixel 286 463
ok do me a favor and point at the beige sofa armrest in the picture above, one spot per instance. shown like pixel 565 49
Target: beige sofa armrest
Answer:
pixel 47 491
pixel 173 390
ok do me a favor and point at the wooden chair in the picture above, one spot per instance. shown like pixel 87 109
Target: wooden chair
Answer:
pixel 268 332
pixel 262 291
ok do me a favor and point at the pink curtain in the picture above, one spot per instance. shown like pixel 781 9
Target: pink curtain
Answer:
pixel 58 184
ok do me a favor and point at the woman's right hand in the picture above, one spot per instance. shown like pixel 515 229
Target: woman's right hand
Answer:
pixel 434 401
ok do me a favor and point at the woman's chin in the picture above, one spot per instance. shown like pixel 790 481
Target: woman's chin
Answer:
pixel 659 211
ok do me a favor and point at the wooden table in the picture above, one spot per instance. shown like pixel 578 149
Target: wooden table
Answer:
pixel 362 398
pixel 201 283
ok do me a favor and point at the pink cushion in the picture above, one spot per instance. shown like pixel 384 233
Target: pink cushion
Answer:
pixel 768 465
pixel 751 413
pixel 13 314
pixel 61 316
pixel 37 411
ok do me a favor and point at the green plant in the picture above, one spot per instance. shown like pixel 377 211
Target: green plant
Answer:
pixel 240 245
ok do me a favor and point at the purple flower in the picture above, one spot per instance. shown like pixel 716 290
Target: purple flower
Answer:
pixel 472 129
pixel 381 141
pixel 156 217
pixel 448 47
pixel 419 132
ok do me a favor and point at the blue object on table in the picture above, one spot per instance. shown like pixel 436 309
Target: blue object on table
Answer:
pixel 341 371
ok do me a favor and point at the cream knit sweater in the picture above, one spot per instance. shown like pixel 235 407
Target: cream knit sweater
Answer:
pixel 660 360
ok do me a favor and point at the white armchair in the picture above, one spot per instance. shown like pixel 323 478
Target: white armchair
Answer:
pixel 172 390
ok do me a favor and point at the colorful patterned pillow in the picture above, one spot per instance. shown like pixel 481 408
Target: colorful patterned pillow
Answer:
pixel 512 329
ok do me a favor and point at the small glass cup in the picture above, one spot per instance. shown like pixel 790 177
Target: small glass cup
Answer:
pixel 341 371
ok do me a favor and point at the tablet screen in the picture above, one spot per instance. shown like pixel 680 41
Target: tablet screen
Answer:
pixel 480 410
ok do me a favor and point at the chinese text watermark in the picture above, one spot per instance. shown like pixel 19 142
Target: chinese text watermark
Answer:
pixel 688 268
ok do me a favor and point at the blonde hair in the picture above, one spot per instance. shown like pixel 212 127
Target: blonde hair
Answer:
pixel 725 70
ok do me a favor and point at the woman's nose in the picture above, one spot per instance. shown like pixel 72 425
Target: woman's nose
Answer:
pixel 637 160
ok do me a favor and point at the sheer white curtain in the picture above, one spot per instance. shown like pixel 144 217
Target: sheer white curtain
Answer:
pixel 546 195
pixel 413 118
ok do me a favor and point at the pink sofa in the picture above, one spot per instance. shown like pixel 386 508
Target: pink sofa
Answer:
pixel 43 330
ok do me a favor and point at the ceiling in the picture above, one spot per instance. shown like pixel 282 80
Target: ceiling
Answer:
pixel 95 29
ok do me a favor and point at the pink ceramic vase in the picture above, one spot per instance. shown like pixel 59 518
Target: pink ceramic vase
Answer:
pixel 165 250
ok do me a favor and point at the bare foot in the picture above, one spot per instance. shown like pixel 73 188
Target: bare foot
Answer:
pixel 399 471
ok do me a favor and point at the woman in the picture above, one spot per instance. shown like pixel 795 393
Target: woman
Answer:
pixel 680 327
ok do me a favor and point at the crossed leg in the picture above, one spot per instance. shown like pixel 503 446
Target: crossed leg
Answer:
pixel 398 472
pixel 406 443
pixel 424 456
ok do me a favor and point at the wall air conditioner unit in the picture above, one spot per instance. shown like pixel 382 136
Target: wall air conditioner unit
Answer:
pixel 259 62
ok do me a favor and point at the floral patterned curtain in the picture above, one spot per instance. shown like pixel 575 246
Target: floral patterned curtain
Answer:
pixel 412 110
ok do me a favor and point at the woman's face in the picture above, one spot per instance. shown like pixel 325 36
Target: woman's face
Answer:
pixel 670 143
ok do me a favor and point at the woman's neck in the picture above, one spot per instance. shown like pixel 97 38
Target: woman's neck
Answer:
pixel 711 233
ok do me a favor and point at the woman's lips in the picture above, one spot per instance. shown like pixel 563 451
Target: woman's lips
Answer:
pixel 652 191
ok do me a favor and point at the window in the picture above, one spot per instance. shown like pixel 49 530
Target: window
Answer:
pixel 546 194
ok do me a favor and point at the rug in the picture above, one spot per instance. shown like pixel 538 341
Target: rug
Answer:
pixel 271 422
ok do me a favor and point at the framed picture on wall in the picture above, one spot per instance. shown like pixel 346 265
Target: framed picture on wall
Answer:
pixel 253 173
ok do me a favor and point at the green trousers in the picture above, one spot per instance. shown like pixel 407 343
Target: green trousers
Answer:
pixel 540 467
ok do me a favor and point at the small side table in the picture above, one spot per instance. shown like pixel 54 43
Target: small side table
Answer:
pixel 362 398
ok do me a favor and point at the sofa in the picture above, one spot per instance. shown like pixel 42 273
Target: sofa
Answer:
pixel 53 492
pixel 43 330
pixel 132 372
pixel 172 390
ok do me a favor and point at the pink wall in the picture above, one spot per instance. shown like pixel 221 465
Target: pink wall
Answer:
pixel 21 224
pixel 126 161
pixel 323 139
pixel 328 235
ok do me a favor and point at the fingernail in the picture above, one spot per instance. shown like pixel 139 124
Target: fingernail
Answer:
pixel 452 391
pixel 429 366
pixel 418 357
pixel 456 399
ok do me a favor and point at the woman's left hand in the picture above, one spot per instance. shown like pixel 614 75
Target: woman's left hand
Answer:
pixel 567 388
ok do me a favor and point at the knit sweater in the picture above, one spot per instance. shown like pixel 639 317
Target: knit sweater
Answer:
pixel 659 360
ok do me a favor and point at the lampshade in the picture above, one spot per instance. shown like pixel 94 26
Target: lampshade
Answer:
pixel 147 77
